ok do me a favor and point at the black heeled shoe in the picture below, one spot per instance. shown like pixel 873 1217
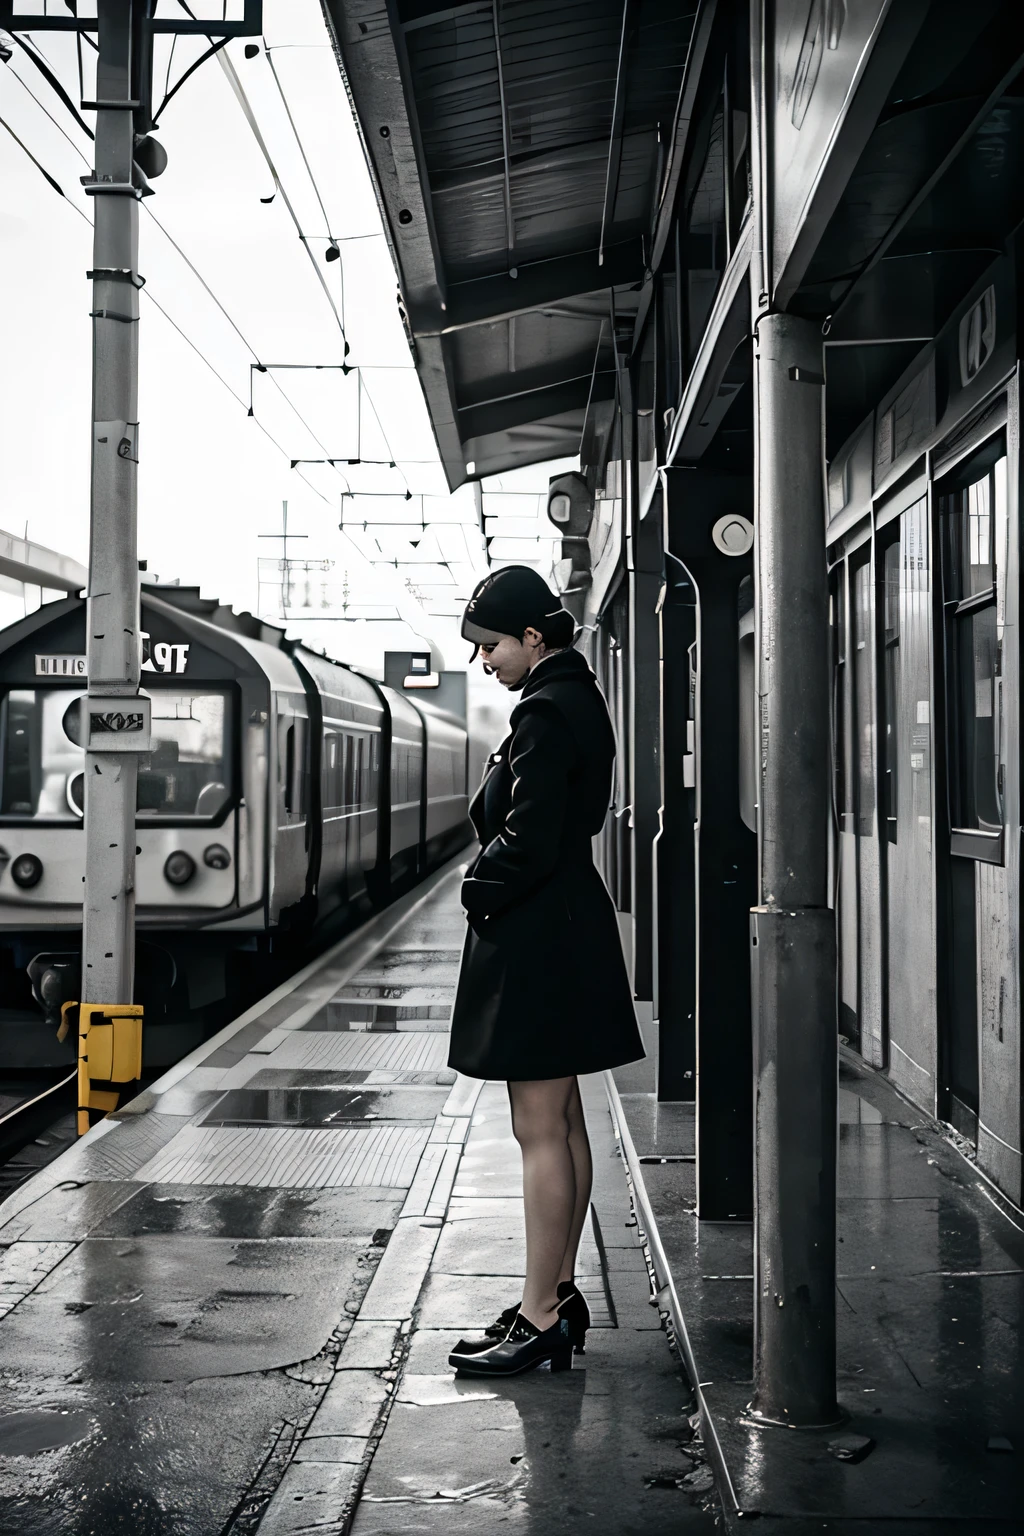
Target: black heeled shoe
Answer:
pixel 523 1348
pixel 572 1306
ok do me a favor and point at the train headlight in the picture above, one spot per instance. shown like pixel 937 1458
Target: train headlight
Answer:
pixel 179 867
pixel 216 856
pixel 27 871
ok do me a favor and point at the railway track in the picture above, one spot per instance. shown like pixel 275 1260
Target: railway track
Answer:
pixel 37 1123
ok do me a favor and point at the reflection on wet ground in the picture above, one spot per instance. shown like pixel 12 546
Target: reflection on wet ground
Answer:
pixel 325 1106
pixel 213 1349
pixel 930 1306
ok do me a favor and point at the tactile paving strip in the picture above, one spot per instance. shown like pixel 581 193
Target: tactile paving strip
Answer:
pixel 405 1052
pixel 117 1154
pixel 275 1157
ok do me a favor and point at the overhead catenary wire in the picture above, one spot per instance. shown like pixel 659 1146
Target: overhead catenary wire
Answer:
pixel 250 117
pixel 267 368
pixel 198 350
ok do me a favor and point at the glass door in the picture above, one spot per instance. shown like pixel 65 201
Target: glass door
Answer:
pixel 905 779
pixel 972 514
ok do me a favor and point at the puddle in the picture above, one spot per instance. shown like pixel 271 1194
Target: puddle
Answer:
pixel 322 1106
pixel 40 1429
pixel 433 1391
pixel 363 1013
pixel 313 1077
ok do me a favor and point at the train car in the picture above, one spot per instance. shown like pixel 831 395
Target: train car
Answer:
pixel 283 789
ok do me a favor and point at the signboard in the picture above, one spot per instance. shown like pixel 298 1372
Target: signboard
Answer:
pixel 157 656
pixel 60 666
pixel 120 724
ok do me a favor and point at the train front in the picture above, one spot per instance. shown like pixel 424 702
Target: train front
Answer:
pixel 202 857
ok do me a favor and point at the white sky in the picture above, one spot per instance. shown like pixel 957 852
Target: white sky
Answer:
pixel 210 480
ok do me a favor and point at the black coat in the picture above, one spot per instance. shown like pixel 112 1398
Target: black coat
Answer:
pixel 543 990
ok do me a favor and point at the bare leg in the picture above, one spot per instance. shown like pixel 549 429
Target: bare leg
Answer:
pixel 583 1169
pixel 540 1123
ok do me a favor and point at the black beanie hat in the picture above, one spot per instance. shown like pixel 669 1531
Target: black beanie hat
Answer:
pixel 512 600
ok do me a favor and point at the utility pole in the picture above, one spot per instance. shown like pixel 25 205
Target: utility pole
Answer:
pixel 117 725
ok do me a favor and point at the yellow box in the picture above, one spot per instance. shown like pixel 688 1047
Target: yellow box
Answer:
pixel 111 1041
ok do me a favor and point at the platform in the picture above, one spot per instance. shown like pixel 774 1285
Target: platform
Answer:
pixel 930 1302
pixel 228 1308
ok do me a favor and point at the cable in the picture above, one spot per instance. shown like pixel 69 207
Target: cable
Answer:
pixel 41 169
pixel 309 168
pixel 59 126
pixel 250 117
pixel 202 355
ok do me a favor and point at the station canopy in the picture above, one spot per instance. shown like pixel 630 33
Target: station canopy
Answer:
pixel 519 149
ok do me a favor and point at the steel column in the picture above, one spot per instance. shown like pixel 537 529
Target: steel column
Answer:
pixel 792 930
pixel 113 648
pixel 645 748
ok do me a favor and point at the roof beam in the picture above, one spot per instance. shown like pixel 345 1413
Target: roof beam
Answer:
pixel 24 561
pixel 611 176
pixel 483 300
pixel 536 404
pixel 508 386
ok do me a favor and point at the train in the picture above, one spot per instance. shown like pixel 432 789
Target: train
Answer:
pixel 284 792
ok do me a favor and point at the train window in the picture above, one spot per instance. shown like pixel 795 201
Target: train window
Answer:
pixel 189 769
pixel 973 506
pixel 289 768
pixel 188 773
pixel 346 758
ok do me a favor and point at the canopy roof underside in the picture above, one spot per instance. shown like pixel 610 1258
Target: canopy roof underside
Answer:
pixel 517 147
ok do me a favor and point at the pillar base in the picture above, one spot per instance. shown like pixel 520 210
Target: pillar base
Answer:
pixel 796 1066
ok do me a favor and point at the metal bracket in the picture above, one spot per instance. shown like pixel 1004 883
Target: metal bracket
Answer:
pixel 117 275
pixel 119 188
pixel 112 314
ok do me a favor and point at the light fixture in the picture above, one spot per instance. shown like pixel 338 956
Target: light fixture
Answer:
pixel 216 856
pixel 26 871
pixel 150 156
pixel 179 867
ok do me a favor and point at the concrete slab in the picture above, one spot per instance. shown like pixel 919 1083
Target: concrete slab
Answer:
pixel 326 1449
pixel 491 1245
pixel 238 1211
pixel 67 1213
pixel 396 1286
pixel 181 1308
pixel 369 1346
pixel 312 1496
pixel 351 1405
pixel 456 1301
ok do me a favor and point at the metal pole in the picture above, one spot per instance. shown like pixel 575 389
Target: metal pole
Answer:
pixel 116 722
pixel 792 930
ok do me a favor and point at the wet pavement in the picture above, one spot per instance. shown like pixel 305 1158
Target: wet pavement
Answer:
pixel 930 1302
pixel 229 1308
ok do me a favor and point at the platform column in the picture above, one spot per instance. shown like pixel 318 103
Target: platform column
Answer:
pixel 115 717
pixel 792 929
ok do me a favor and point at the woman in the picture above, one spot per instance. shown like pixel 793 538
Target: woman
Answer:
pixel 543 993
